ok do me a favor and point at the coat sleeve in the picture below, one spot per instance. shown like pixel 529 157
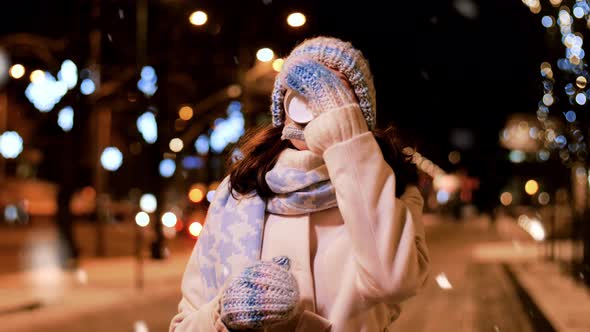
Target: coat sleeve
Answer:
pixel 195 313
pixel 387 235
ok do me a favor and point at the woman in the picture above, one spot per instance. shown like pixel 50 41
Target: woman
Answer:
pixel 307 232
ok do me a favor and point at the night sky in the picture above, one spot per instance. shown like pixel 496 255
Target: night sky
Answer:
pixel 440 67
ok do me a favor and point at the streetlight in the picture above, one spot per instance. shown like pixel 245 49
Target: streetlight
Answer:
pixel 198 18
pixel 296 20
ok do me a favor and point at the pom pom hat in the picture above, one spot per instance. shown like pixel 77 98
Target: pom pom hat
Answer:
pixel 340 56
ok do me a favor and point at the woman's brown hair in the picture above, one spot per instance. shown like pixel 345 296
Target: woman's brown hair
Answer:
pixel 392 144
pixel 261 147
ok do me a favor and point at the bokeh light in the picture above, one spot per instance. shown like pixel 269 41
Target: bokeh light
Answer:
pixel 11 144
pixel 578 12
pixel 176 144
pixel 196 194
pixel 442 196
pixel 198 18
pixel 87 87
pixel 111 158
pixel 548 99
pixel 17 71
pixel 454 157
pixel 581 82
pixel 148 81
pixel 531 187
pixel 68 74
pixel 148 203
pixel 506 198
pixel 45 91
pixel 543 155
pixel 581 98
pixel 148 127
pixel 533 226
pixel 547 21
pixel 10 213
pixel 296 20
pixel 192 162
pixel 516 156
pixel 228 130
pixel 569 89
pixel 65 118
pixel 185 113
pixel 561 141
pixel 169 219
pixel 570 116
pixel 142 219
pixel 234 91
pixel 195 229
pixel 544 198
pixel 265 54
pixel 202 144
pixel 167 168
pixel 277 64
pixel 37 76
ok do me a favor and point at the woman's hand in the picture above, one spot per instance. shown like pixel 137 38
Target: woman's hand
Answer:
pixel 263 295
pixel 322 88
pixel 338 115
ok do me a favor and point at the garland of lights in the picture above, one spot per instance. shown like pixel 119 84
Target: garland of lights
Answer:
pixel 568 142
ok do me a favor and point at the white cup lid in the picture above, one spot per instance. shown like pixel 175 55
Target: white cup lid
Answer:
pixel 297 108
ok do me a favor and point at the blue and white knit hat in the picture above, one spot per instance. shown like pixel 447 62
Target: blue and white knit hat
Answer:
pixel 338 55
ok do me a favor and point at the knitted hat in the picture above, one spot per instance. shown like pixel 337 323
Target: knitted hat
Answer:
pixel 338 55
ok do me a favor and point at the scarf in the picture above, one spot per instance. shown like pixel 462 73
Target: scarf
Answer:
pixel 232 236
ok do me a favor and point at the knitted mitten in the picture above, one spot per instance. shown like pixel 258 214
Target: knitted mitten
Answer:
pixel 338 116
pixel 321 87
pixel 263 295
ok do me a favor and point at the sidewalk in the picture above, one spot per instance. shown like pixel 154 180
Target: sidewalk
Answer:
pixel 563 303
pixel 35 300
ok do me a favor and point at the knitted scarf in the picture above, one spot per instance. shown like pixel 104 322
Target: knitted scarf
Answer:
pixel 232 237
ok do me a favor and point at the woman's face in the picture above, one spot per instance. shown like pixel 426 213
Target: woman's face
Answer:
pixel 299 144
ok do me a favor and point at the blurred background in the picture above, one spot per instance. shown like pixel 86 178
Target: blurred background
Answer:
pixel 118 118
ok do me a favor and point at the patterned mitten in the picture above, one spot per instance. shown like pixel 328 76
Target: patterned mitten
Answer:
pixel 321 87
pixel 263 295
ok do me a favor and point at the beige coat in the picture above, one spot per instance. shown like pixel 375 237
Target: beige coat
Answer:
pixel 354 264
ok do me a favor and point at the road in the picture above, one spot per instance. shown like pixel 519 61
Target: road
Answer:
pixel 482 297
